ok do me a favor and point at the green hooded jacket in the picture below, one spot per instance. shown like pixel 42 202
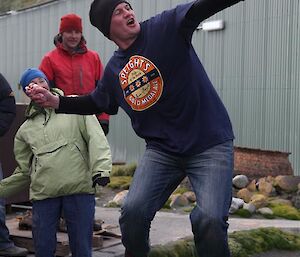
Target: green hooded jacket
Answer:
pixel 57 154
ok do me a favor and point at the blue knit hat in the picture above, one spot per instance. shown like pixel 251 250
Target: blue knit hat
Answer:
pixel 30 74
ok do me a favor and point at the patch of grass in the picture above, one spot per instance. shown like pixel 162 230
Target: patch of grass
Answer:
pixel 167 204
pixel 268 216
pixel 188 209
pixel 241 244
pixel 181 190
pixel 112 205
pixel 250 244
pixel 120 182
pixel 262 240
pixel 180 248
pixel 285 211
pixel 236 249
pixel 243 213
pixel 123 170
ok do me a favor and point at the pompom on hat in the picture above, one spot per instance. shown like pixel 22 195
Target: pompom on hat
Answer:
pixel 101 12
pixel 30 74
pixel 70 22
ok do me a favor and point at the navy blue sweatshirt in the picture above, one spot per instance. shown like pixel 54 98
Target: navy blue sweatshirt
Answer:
pixel 161 84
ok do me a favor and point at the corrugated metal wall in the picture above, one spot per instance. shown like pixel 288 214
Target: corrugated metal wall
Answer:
pixel 253 63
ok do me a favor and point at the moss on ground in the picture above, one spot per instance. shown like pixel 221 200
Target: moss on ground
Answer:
pixel 123 170
pixel 122 182
pixel 181 190
pixel 285 211
pixel 243 213
pixel 262 240
pixel 167 205
pixel 241 243
pixel 180 248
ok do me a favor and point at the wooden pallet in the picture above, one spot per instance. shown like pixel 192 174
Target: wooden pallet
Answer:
pixel 23 238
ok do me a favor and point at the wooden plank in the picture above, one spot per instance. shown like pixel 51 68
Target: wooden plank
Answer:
pixel 23 238
pixel 62 248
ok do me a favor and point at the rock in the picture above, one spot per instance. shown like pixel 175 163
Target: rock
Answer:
pixel 296 200
pixel 270 179
pixel 265 211
pixel 252 186
pixel 245 194
pixel 120 197
pixel 259 200
pixel 281 201
pixel 240 181
pixel 190 195
pixel 287 183
pixel 236 204
pixel 265 187
pixel 186 183
pixel 249 207
pixel 261 180
pixel 238 201
pixel 178 200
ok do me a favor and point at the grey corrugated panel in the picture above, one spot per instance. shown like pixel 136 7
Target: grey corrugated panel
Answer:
pixel 29 35
pixel 278 79
pixel 264 116
pixel 254 64
pixel 125 145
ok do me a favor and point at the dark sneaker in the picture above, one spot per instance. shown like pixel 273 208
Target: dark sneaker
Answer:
pixel 14 251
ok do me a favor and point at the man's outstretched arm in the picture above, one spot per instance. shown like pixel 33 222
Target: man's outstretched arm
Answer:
pixel 203 9
pixel 62 104
pixel 77 105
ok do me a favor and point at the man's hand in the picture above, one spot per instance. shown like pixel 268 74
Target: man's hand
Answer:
pixel 43 97
pixel 101 181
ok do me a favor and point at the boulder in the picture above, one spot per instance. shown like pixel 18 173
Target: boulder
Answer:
pixel 245 194
pixel 287 183
pixel 259 200
pixel 240 181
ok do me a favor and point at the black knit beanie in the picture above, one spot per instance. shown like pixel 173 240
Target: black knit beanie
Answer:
pixel 101 12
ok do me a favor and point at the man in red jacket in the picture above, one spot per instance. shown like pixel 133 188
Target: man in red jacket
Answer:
pixel 71 66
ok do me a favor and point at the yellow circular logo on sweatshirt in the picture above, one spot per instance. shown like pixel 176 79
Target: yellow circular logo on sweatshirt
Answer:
pixel 141 82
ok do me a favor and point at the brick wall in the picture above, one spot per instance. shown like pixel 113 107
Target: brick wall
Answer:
pixel 256 163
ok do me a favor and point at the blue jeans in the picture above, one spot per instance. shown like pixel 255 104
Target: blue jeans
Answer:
pixel 5 242
pixel 79 211
pixel 158 175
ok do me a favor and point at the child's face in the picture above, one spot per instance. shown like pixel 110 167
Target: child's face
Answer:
pixel 38 81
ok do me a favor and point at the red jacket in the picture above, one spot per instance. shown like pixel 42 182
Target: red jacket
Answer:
pixel 75 74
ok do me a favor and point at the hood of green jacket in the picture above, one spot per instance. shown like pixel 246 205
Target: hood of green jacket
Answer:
pixel 34 109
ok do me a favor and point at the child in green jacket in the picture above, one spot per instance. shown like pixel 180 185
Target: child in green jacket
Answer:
pixel 61 158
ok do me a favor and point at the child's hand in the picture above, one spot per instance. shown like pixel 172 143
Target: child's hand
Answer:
pixel 30 87
pixel 43 97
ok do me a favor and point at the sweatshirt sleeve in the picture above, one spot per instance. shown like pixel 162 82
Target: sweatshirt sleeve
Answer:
pixel 20 179
pixel 203 9
pixel 98 147
pixel 77 105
